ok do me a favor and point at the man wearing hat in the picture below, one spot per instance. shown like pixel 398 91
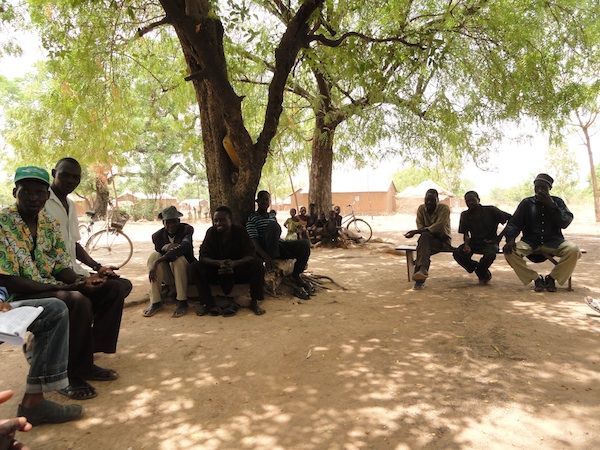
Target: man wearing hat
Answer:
pixel 169 263
pixel 541 219
pixel 34 263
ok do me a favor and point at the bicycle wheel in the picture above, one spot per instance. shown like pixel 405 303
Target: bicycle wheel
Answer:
pixel 83 231
pixel 110 247
pixel 360 228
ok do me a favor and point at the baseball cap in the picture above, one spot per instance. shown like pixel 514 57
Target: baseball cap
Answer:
pixel 32 173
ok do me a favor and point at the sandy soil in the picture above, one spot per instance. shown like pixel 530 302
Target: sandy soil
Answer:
pixel 374 366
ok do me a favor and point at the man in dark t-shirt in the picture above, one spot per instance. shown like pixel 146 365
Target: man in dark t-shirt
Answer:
pixel 227 257
pixel 479 226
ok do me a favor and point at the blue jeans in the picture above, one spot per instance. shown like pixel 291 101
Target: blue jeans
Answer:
pixel 50 352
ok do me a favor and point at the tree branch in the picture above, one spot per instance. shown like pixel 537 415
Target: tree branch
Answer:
pixel 337 42
pixel 148 28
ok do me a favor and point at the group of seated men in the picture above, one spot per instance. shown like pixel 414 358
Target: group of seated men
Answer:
pixel 317 228
pixel 540 218
pixel 82 312
pixel 229 254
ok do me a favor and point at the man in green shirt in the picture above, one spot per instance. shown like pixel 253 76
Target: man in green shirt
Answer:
pixel 433 226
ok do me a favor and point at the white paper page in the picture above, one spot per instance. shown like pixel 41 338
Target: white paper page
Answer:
pixel 14 323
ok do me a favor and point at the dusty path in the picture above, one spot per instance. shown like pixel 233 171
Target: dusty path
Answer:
pixel 377 366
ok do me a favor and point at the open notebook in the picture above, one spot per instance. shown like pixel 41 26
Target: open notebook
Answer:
pixel 14 323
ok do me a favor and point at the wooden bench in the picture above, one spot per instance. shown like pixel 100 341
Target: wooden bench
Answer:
pixel 410 250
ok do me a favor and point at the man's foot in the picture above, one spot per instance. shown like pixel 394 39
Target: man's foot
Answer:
pixel 98 373
pixel 550 284
pixel 301 293
pixel 152 309
pixel 420 276
pixel 484 278
pixel 593 303
pixel 78 389
pixel 50 412
pixel 419 285
pixel 310 289
pixel 256 309
pixel 181 310
pixel 539 284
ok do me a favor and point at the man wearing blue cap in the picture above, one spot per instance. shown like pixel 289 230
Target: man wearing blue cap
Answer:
pixel 34 263
pixel 541 219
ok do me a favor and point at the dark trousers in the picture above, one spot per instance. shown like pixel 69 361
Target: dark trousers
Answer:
pixel 252 272
pixel 298 250
pixel 428 245
pixel 488 252
pixel 94 322
pixel 107 307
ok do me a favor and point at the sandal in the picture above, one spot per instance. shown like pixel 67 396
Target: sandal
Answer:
pixel 50 412
pixel 101 374
pixel 229 311
pixel 301 293
pixel 79 390
pixel 152 309
pixel 256 309
pixel 181 310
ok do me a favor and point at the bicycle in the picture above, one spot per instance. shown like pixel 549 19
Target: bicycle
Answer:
pixel 111 245
pixel 356 226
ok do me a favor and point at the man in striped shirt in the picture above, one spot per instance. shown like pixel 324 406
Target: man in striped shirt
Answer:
pixel 265 232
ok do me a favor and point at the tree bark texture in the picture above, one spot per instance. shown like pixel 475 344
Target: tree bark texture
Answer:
pixel 594 180
pixel 201 37
pixel 327 118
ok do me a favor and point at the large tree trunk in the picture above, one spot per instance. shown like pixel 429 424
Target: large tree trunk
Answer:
pixel 201 36
pixel 594 180
pixel 321 165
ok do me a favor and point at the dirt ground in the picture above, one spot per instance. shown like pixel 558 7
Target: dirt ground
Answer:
pixel 375 366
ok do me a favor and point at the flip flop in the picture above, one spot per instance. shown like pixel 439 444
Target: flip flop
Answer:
pixel 152 309
pixel 101 374
pixel 79 391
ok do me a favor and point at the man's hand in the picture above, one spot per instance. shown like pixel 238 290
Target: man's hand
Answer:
pixel 93 281
pixel 545 199
pixel 152 273
pixel 170 246
pixel 108 272
pixel 509 247
pixel 225 267
pixel 5 306
pixel 410 234
pixel 8 427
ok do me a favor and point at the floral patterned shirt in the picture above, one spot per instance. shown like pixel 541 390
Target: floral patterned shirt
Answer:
pixel 20 256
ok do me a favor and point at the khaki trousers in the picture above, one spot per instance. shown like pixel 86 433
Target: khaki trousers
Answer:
pixel 174 273
pixel 568 253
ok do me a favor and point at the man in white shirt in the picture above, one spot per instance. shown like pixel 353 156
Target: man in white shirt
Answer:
pixel 107 300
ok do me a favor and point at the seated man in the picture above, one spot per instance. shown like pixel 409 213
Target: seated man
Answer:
pixel 541 218
pixel 330 232
pixel 48 362
pixel 479 227
pixel 265 233
pixel 36 264
pixel 108 299
pixel 227 257
pixel 169 263
pixel 433 224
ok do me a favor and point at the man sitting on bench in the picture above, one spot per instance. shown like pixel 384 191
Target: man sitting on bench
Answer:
pixel 479 226
pixel 265 233
pixel 541 219
pixel 433 224
pixel 227 257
